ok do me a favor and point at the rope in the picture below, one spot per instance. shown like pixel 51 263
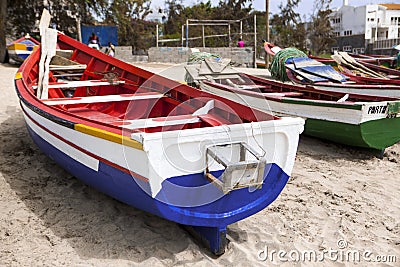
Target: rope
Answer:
pixel 278 64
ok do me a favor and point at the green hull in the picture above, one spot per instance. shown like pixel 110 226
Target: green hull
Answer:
pixel 376 134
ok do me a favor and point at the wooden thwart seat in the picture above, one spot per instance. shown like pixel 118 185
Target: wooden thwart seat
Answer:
pixel 284 94
pixel 68 67
pixel 74 84
pixel 167 121
pixel 158 122
pixel 101 99
pixel 253 87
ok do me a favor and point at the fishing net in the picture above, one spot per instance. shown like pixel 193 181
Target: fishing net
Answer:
pixel 198 57
pixel 278 64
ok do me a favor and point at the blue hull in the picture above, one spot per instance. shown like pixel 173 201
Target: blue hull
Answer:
pixel 209 220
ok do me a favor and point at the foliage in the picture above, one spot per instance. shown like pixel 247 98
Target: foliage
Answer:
pixel 24 16
pixel 287 28
pixel 226 10
pixel 128 16
pixel 321 36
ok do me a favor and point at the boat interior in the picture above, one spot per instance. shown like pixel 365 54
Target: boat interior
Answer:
pixel 270 88
pixel 88 87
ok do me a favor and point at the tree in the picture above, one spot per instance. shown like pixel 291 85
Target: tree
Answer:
pixel 287 28
pixel 3 18
pixel 226 10
pixel 128 16
pixel 176 17
pixel 322 32
pixel 24 16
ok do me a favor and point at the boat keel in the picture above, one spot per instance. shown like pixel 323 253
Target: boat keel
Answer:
pixel 214 238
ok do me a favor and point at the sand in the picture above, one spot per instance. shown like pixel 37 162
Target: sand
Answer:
pixel 337 197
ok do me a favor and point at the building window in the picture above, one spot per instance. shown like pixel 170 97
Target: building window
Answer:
pixel 347 33
pixel 336 34
pixel 347 48
pixel 395 20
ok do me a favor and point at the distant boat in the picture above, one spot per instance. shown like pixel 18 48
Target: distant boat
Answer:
pixel 161 146
pixel 365 73
pixel 20 49
pixel 376 60
pixel 356 76
pixel 357 120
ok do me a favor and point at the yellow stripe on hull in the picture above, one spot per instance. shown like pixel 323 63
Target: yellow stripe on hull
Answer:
pixel 18 75
pixel 21 47
pixel 116 138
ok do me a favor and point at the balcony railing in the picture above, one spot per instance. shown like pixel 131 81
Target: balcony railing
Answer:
pixel 386 44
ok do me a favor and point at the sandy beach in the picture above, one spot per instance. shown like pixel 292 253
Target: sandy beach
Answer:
pixel 338 199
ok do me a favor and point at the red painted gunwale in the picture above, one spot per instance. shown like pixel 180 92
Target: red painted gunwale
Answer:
pixel 93 58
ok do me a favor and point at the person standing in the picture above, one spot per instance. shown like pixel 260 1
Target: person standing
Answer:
pixel 110 50
pixel 398 60
pixel 94 41
pixel 240 43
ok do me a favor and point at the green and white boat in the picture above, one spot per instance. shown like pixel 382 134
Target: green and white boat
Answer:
pixel 353 119
pixel 356 120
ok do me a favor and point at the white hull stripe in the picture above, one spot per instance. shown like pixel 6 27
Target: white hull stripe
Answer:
pixel 90 158
pixel 69 150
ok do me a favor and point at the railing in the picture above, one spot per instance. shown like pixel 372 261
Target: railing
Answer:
pixel 386 44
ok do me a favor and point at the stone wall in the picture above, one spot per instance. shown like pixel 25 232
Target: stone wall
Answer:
pixel 240 56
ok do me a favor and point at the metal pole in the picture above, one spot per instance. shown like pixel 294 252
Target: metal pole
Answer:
pixel 255 41
pixel 204 41
pixel 156 35
pixel 182 33
pixel 241 29
pixel 267 30
pixel 187 33
pixel 229 35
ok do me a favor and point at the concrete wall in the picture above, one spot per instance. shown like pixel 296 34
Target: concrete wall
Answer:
pixel 124 53
pixel 355 41
pixel 240 56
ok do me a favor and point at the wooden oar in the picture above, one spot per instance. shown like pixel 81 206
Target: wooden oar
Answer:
pixel 366 70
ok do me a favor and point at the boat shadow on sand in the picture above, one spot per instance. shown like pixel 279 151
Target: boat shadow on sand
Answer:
pixel 95 225
pixel 319 149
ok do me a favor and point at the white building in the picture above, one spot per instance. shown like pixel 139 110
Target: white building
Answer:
pixel 373 27
pixel 157 14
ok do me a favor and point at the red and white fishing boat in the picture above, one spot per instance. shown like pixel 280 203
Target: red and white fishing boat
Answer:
pixel 369 79
pixel 21 48
pixel 161 146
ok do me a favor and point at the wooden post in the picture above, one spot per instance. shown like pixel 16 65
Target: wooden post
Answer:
pixel 267 30
pixel 204 41
pixel 187 33
pixel 229 35
pixel 3 19
pixel 43 25
pixel 255 41
pixel 156 35
pixel 78 28
pixel 241 29
pixel 182 33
